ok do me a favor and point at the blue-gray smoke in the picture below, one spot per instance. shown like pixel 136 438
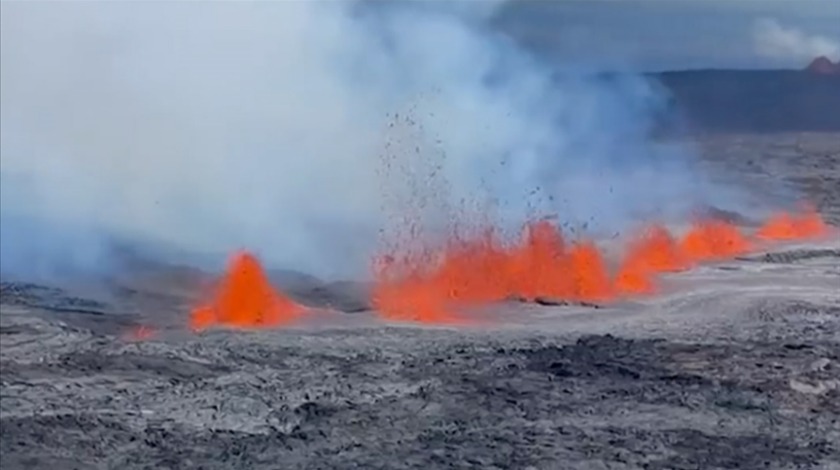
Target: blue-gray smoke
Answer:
pixel 299 129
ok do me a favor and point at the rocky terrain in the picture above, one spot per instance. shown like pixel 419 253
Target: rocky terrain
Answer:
pixel 780 167
pixel 737 365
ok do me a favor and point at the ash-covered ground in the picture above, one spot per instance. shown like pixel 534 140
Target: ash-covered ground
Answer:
pixel 737 365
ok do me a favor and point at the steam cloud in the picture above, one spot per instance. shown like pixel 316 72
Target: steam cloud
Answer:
pixel 773 40
pixel 298 129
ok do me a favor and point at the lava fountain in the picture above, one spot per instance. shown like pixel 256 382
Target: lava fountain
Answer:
pixel 244 298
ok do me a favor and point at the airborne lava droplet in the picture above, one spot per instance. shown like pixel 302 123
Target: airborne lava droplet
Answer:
pixel 245 299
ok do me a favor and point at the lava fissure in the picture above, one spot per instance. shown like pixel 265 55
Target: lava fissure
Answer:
pixel 432 286
pixel 422 284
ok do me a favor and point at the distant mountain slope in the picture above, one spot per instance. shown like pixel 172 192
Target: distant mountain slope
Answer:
pixel 824 66
pixel 755 100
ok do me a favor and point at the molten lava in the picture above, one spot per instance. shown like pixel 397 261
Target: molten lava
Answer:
pixel 245 299
pixel 473 271
pixel 539 265
pixel 785 226
pixel 652 252
pixel 435 285
pixel 424 286
pixel 406 291
pixel 592 283
pixel 714 240
pixel 432 286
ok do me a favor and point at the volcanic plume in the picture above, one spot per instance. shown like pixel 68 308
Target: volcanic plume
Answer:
pixel 245 298
pixel 239 95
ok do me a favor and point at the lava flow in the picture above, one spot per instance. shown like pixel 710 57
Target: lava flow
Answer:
pixel 245 299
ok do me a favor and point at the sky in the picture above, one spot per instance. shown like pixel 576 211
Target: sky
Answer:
pixel 652 35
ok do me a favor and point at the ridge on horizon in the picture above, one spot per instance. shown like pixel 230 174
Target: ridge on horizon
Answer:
pixel 819 65
pixel 824 66
pixel 754 100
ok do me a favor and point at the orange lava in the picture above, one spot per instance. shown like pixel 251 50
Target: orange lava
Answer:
pixel 592 283
pixel 714 240
pixel 437 285
pixel 653 251
pixel 404 292
pixel 466 274
pixel 425 286
pixel 245 299
pixel 538 266
pixel 434 286
pixel 786 226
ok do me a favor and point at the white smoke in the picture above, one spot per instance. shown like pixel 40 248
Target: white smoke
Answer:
pixel 218 125
pixel 776 41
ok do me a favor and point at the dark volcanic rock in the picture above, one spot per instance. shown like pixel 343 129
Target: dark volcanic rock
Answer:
pixel 599 402
pixel 344 296
pixel 794 256
pixel 47 298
